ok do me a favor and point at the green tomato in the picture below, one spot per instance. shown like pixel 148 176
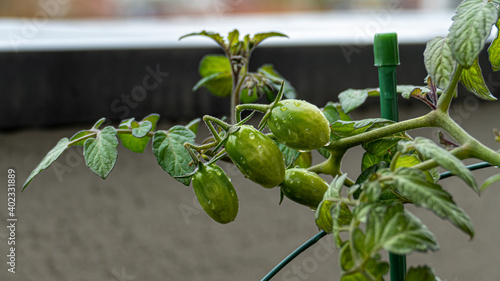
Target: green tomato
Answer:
pixel 216 193
pixel 303 187
pixel 257 156
pixel 299 125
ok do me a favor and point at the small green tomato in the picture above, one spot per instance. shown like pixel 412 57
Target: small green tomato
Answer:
pixel 299 125
pixel 216 193
pixel 257 156
pixel 303 187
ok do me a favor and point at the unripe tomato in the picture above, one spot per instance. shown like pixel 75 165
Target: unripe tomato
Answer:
pixel 216 193
pixel 257 156
pixel 299 125
pixel 303 187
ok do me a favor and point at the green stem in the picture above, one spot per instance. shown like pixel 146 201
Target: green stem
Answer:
pixel 444 101
pixel 209 119
pixel 407 125
pixel 250 106
pixel 330 166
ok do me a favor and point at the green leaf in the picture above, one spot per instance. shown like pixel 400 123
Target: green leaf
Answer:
pixel 143 129
pixel 439 61
pixel 350 128
pixel 412 184
pixel 421 273
pixel 494 51
pixel 332 195
pixel 351 99
pixel 324 152
pixel 98 124
pixel 193 125
pixel 214 36
pixel 331 113
pixel 81 134
pixel 216 73
pixel 445 159
pixel 290 154
pixel 233 37
pixel 470 29
pixel 397 231
pixel 133 143
pixel 100 152
pixel 168 148
pixel 472 79
pixel 52 156
pixel 259 37
pixel 410 160
pixel 489 181
pixel 211 64
pixel 369 160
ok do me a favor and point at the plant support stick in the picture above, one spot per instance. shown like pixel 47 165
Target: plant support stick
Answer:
pixel 385 48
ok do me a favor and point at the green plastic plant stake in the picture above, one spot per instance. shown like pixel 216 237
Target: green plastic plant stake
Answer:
pixel 386 51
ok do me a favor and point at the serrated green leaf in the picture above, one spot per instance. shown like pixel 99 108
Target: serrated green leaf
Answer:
pixel 193 125
pixel 489 181
pixel 168 148
pixel 439 61
pixel 421 273
pixel 399 232
pixel 129 141
pixel 290 154
pixel 470 29
pixel 51 156
pixel 412 184
pixel 351 99
pixel 81 134
pixel 472 79
pixel 214 36
pixel 98 123
pixel 445 159
pixel 100 153
pixel 494 51
pixel 143 129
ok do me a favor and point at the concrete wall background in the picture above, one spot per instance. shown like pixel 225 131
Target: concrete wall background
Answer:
pixel 76 226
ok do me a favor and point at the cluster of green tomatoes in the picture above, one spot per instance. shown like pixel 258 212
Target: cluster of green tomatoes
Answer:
pixel 295 123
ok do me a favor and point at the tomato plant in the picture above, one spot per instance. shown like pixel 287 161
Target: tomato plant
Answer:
pixel 364 215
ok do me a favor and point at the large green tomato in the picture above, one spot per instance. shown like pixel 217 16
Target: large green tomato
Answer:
pixel 303 187
pixel 216 193
pixel 257 156
pixel 299 125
